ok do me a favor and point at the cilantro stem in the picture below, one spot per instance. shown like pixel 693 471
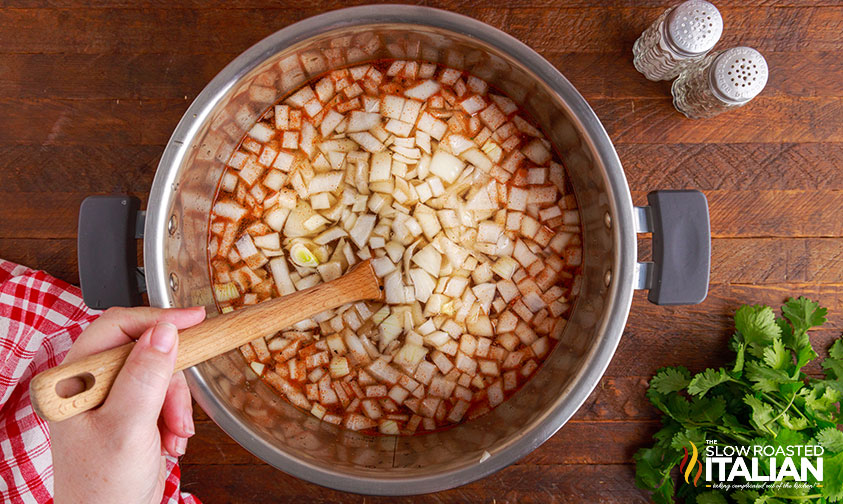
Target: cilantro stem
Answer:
pixel 798 497
pixel 783 411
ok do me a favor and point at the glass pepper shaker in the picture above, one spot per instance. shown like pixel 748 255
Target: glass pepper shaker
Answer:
pixel 681 36
pixel 721 81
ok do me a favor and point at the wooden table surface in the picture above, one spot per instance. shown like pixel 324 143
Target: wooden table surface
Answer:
pixel 90 92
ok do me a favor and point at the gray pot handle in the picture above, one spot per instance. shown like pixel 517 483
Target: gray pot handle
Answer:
pixel 109 227
pixel 681 262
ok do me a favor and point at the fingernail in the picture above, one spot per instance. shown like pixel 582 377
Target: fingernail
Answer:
pixel 163 337
pixel 188 423
pixel 181 445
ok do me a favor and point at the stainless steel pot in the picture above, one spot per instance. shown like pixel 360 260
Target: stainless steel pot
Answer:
pixel 175 226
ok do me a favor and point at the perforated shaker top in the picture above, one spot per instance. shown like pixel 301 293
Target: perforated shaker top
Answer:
pixel 739 74
pixel 694 27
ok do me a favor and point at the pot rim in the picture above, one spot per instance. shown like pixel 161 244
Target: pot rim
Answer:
pixel 619 298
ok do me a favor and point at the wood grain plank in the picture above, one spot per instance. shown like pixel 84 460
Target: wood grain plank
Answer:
pixel 175 75
pixel 456 5
pixel 733 166
pixel 46 215
pixel 108 76
pixel 714 315
pixel 86 168
pixel 57 257
pixel 765 119
pixel 259 484
pixel 90 122
pixel 565 29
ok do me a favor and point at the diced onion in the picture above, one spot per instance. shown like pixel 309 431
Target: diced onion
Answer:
pixel 447 166
pixel 456 200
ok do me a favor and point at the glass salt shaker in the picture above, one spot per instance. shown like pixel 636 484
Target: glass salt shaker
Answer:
pixel 681 36
pixel 721 81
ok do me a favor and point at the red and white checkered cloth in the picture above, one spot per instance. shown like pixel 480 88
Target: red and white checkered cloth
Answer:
pixel 40 316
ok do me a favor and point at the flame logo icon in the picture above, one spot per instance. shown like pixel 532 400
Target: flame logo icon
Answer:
pixel 688 466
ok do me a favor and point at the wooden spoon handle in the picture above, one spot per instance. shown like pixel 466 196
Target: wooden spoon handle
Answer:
pixel 199 343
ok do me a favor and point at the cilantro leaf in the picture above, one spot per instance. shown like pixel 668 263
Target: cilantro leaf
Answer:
pixel 711 497
pixel 833 365
pixel 673 404
pixel 665 435
pixel 708 409
pixel 803 314
pixel 776 355
pixel 831 439
pixel 670 379
pixel 794 423
pixel 652 471
pixel 821 401
pixel 762 415
pixel 835 351
pixel 705 381
pixel 833 368
pixel 805 355
pixel 745 496
pixel 740 350
pixel 683 438
pixel 832 488
pixel 764 378
pixel 757 325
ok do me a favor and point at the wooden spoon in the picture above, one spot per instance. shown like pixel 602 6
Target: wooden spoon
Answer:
pixel 199 343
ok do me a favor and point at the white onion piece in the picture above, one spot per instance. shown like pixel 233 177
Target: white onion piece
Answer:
pixel 423 91
pixel 367 141
pixel 330 235
pixel 229 210
pixel 393 288
pixel 423 284
pixel 261 132
pixel 381 167
pixel 485 198
pixel 485 293
pixel 478 159
pixel 269 241
pixel 447 166
pixel 245 246
pixel 459 144
pixel 473 104
pixel 362 121
pixel 429 260
pixel 281 276
pixel 359 234
pixel 325 182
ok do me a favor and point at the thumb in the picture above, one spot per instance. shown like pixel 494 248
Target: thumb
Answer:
pixel 139 390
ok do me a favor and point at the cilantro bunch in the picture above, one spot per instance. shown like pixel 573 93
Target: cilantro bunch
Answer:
pixel 762 398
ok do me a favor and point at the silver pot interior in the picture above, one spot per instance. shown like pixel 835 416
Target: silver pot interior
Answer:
pixel 293 440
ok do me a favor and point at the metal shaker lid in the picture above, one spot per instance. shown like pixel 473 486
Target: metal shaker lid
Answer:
pixel 738 74
pixel 694 27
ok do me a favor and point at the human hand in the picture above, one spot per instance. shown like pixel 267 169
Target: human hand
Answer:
pixel 115 453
